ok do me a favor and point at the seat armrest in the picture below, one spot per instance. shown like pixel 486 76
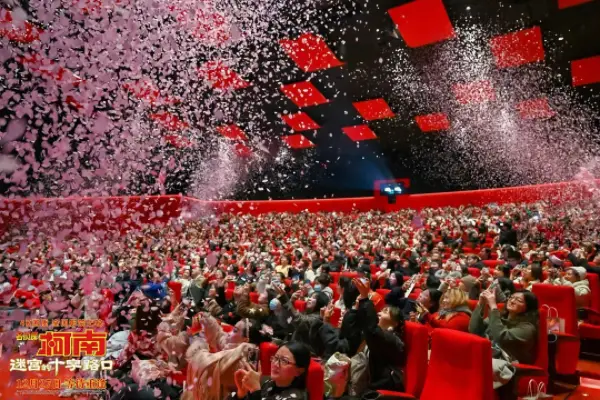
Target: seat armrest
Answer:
pixel 396 395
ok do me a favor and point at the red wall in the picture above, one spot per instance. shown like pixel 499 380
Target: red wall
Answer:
pixel 106 214
pixel 294 206
pixel 555 192
pixel 110 214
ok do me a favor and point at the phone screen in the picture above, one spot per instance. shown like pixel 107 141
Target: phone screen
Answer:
pixel 253 358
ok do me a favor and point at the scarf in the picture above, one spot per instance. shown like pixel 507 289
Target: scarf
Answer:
pixel 463 309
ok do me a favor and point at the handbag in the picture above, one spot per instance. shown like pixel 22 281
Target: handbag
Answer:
pixel 536 393
pixel 359 372
pixel 337 372
pixel 554 322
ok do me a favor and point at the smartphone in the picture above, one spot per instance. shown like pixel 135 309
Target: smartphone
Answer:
pixel 253 358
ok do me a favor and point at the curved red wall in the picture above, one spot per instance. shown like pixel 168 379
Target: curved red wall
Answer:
pixel 119 214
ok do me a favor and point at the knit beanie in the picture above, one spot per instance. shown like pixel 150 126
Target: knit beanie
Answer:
pixel 580 271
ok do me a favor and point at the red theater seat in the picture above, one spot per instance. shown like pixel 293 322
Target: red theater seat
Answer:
pixel 562 298
pixel 416 338
pixel 300 305
pixel 254 297
pixel 492 263
pixel 451 375
pixel 335 317
pixel 335 276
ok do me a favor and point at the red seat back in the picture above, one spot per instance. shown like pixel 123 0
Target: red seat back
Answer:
pixel 492 263
pixel 476 272
pixel 336 292
pixel 335 276
pixel 451 375
pixel 563 299
pixel 335 317
pixel 300 305
pixel 417 345
pixel 383 292
pixel 595 289
pixel 254 297
pixel 350 275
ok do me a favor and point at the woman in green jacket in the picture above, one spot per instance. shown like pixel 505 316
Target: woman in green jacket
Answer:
pixel 513 332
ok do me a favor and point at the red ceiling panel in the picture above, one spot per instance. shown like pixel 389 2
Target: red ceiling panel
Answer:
pixel 585 71
pixel 310 53
pixel 303 94
pixel 359 132
pixel 373 109
pixel 49 69
pixel 518 48
pixel 300 121
pixel 146 91
pixel 570 3
pixel 422 22
pixel 535 109
pixel 474 92
pixel 232 131
pixel 17 31
pixel 221 76
pixel 169 121
pixel 179 141
pixel 433 122
pixel 242 150
pixel 298 141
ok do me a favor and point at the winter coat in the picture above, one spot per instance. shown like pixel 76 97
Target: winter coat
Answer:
pixel 516 337
pixel 386 350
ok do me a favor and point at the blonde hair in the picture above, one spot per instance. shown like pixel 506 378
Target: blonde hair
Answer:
pixel 456 298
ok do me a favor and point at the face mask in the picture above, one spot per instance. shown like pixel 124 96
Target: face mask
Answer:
pixel 57 272
pixel 317 288
pixel 273 304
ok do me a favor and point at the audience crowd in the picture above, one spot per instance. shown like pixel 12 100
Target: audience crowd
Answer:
pixel 187 305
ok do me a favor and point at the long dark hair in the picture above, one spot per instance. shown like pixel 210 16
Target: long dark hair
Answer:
pixel 531 313
pixel 435 296
pixel 302 356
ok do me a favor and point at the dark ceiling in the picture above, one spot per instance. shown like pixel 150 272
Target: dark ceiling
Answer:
pixel 413 81
pixel 418 81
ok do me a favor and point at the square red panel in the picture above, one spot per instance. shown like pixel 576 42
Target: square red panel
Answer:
pixel 298 141
pixel 179 142
pixel 433 122
pixel 373 109
pixel 304 94
pixel 535 109
pixel 359 132
pixel 422 22
pixel 168 121
pixel 232 131
pixel 242 150
pixel 310 53
pixel 300 121
pixel 585 71
pixel 518 48
pixel 221 76
pixel 570 3
pixel 474 92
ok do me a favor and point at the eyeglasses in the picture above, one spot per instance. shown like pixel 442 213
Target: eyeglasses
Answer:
pixel 282 361
pixel 516 299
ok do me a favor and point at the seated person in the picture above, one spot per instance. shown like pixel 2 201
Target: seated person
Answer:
pixel 383 334
pixel 513 332
pixel 454 312
pixel 289 367
pixel 576 277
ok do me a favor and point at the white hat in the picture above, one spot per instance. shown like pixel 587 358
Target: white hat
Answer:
pixel 580 271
